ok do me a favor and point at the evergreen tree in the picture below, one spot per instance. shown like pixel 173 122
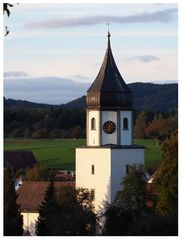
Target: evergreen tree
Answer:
pixel 49 214
pixel 13 220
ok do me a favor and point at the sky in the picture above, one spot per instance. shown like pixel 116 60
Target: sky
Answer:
pixel 54 51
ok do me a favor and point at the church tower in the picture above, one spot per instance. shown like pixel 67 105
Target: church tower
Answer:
pixel 109 150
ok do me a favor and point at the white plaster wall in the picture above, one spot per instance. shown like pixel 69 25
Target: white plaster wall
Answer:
pixel 109 138
pixel 120 158
pixel 93 135
pixel 29 221
pixel 100 181
pixel 126 135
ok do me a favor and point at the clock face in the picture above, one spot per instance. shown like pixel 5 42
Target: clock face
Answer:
pixel 109 127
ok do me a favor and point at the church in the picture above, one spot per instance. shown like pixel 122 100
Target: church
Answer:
pixel 104 161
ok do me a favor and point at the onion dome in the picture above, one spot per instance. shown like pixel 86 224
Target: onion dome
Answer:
pixel 109 91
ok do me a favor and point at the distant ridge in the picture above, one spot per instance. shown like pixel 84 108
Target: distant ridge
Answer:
pixel 147 96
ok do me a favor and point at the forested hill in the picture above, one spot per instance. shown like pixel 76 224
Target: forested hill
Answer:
pixel 147 96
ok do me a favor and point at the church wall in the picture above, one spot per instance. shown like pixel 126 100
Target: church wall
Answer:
pixel 126 134
pixel 100 180
pixel 109 138
pixel 93 138
pixel 120 158
pixel 29 221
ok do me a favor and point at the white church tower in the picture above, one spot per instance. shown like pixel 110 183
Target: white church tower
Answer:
pixel 109 150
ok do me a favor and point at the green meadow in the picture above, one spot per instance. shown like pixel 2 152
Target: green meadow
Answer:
pixel 60 153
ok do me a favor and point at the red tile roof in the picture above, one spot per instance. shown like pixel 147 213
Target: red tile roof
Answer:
pixel 19 159
pixel 31 194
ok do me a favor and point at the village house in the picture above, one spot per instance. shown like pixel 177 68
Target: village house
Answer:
pixel 30 196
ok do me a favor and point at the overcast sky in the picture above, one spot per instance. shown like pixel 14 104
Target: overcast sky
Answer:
pixel 54 51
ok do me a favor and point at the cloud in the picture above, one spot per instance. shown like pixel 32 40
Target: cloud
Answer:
pixel 163 16
pixel 81 77
pixel 144 58
pixel 53 90
pixel 15 74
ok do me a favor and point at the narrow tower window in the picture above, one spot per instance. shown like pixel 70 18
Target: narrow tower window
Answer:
pixel 93 194
pixel 93 124
pixel 127 169
pixel 125 123
pixel 93 170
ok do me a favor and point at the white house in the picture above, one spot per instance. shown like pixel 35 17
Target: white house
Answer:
pixel 109 150
pixel 30 196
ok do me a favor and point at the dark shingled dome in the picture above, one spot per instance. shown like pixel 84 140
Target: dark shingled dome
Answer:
pixel 109 91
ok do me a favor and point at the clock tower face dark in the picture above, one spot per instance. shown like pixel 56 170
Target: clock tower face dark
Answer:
pixel 109 127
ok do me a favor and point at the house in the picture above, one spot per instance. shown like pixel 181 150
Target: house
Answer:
pixel 19 159
pixel 30 196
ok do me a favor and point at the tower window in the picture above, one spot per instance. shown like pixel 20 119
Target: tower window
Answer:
pixel 127 168
pixel 93 194
pixel 93 169
pixel 125 123
pixel 93 124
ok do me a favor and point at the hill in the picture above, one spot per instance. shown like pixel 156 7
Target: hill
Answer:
pixel 146 96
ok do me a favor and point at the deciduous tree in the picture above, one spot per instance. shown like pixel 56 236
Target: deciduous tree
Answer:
pixel 38 173
pixel 166 178
pixel 77 212
pixel 140 125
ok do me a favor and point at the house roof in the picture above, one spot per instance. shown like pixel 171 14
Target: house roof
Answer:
pixel 31 194
pixel 109 90
pixel 19 159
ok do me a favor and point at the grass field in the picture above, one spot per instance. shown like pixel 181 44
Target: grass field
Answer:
pixel 60 153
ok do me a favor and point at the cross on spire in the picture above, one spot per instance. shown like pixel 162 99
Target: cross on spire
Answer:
pixel 108 24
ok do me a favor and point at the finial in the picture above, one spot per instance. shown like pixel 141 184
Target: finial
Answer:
pixel 108 33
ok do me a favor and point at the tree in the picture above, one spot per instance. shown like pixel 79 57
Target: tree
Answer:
pixel 41 133
pixel 49 214
pixel 13 221
pixel 134 193
pixel 129 206
pixel 166 178
pixel 117 221
pixel 77 213
pixel 161 128
pixel 38 173
pixel 140 125
pixel 77 132
pixel 6 10
pixel 129 215
pixel 66 212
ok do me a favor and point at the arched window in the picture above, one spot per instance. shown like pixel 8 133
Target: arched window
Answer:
pixel 125 123
pixel 93 124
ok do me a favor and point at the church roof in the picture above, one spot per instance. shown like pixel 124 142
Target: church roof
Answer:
pixel 109 90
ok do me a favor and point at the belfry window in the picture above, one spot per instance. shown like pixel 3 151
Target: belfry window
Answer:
pixel 93 124
pixel 125 123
